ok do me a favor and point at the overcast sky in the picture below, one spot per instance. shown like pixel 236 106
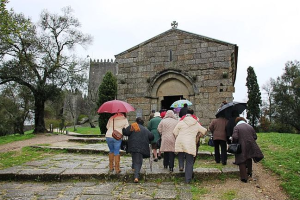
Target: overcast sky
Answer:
pixel 267 32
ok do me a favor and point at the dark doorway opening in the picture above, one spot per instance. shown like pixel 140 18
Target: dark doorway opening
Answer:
pixel 168 100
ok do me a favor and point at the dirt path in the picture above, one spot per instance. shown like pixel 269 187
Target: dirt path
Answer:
pixel 264 184
pixel 39 139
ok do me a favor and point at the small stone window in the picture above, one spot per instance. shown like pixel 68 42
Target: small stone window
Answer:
pixel 171 56
pixel 221 85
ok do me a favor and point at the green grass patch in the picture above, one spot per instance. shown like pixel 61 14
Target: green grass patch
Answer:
pixel 205 147
pixel 229 195
pixel 282 156
pixel 85 130
pixel 14 158
pixel 16 137
pixel 198 191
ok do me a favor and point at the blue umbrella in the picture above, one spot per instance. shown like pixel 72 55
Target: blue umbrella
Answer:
pixel 180 103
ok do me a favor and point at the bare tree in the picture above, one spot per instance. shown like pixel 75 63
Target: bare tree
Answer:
pixel 40 58
pixel 269 103
pixel 72 106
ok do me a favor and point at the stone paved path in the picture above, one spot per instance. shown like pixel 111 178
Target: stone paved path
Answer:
pixel 91 190
pixel 86 166
pixel 86 176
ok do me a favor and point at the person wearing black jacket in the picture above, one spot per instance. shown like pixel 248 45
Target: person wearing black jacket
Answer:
pixel 139 139
pixel 230 125
pixel 183 111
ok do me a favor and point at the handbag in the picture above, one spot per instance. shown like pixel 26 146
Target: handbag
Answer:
pixel 234 148
pixel 116 134
pixel 211 142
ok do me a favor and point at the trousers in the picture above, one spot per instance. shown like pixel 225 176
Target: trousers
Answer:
pixel 137 162
pixel 188 159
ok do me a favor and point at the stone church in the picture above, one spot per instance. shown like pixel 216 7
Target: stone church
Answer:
pixel 173 65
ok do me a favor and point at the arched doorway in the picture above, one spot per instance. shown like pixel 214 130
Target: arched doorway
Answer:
pixel 169 87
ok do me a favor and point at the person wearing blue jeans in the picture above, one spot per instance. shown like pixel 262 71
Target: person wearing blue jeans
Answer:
pixel 117 122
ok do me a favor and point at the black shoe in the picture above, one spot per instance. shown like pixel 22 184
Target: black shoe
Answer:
pixel 155 160
pixel 181 169
pixel 217 162
pixel 244 180
pixel 249 174
pixel 171 170
pixel 159 157
pixel 224 163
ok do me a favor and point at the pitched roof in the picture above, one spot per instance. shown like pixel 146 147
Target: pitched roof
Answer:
pixel 173 30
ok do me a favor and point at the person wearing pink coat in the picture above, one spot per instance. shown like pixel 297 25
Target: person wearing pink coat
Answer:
pixel 165 128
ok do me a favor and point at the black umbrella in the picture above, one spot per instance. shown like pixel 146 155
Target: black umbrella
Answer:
pixel 227 109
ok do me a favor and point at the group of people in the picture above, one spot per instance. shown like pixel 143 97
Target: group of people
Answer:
pixel 235 130
pixel 180 135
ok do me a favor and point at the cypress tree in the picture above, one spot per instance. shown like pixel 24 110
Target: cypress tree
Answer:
pixel 107 92
pixel 254 97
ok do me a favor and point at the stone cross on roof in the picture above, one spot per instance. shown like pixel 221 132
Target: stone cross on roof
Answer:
pixel 174 24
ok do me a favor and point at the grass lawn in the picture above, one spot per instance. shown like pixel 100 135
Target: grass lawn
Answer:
pixel 13 158
pixel 16 137
pixel 85 130
pixel 282 156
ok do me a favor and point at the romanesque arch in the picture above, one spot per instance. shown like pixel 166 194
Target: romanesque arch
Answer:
pixel 170 83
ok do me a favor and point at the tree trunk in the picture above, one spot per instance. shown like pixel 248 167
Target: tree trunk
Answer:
pixel 39 122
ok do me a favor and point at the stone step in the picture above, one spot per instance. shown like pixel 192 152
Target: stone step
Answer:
pixel 84 135
pixel 87 140
pixel 84 174
pixel 99 148
pixel 88 167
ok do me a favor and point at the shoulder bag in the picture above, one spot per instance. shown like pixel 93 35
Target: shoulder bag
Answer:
pixel 116 134
pixel 211 142
pixel 234 148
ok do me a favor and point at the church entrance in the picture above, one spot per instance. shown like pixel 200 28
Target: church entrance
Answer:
pixel 168 100
pixel 169 87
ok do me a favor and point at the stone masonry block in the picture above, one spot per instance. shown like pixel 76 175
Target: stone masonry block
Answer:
pixel 208 89
pixel 208 55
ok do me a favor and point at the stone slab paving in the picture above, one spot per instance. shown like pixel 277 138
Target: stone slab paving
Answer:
pixel 89 190
pixel 92 166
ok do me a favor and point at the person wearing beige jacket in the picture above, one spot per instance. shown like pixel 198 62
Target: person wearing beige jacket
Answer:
pixel 187 133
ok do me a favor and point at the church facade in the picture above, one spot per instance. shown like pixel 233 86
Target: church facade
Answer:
pixel 173 65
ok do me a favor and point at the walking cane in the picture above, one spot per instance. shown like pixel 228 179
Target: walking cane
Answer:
pixel 151 157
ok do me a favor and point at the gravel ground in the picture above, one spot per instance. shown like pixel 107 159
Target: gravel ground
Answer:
pixel 263 185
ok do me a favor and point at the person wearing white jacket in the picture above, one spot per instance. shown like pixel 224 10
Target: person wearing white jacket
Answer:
pixel 187 133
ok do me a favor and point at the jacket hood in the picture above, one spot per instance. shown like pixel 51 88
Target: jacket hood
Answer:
pixel 189 120
pixel 118 116
pixel 170 114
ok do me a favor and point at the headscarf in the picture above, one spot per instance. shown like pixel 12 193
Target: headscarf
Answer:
pixel 135 127
pixel 170 114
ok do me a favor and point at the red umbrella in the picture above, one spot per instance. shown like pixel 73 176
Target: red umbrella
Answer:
pixel 115 106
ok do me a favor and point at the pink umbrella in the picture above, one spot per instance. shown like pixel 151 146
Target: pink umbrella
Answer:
pixel 115 106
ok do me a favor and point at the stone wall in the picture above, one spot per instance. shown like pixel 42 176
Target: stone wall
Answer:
pixel 207 68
